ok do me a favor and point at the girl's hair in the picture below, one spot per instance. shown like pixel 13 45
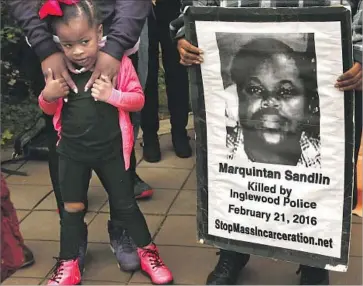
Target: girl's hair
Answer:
pixel 84 8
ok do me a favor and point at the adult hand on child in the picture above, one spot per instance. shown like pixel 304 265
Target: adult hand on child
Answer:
pixel 71 67
pixel 351 80
pixel 54 88
pixel 57 63
pixel 102 88
pixel 105 65
pixel 189 54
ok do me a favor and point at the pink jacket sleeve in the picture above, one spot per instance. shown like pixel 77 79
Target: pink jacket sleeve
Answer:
pixel 48 108
pixel 129 95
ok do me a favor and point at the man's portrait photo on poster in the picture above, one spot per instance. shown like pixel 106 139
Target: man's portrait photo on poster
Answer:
pixel 272 101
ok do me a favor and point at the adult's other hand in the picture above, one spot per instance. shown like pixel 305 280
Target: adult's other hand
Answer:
pixel 107 66
pixel 352 79
pixel 56 62
pixel 189 54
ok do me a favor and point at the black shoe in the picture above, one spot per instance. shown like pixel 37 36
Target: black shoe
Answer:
pixel 313 276
pixel 228 267
pixel 181 144
pixel 151 149
pixel 141 189
pixel 28 257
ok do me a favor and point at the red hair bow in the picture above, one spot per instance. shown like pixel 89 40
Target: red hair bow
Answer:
pixel 52 8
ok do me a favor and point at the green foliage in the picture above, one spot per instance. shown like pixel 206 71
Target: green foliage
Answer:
pixel 6 135
pixel 9 35
pixel 9 32
pixel 18 109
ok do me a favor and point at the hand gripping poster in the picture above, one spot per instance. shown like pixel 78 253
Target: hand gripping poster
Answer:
pixel 274 136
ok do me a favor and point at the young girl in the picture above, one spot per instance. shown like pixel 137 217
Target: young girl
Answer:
pixel 95 133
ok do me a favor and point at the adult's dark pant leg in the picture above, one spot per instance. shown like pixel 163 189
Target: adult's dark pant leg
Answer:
pixel 33 72
pixel 150 113
pixel 176 77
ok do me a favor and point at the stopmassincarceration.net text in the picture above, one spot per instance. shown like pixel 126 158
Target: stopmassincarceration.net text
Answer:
pixel 255 231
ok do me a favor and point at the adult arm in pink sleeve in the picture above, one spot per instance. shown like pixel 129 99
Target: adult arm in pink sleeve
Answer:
pixel 48 108
pixel 129 95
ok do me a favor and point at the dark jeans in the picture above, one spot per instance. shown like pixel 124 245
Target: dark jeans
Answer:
pixel 176 78
pixel 74 183
pixel 33 72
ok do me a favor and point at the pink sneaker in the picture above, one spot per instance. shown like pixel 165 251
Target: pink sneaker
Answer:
pixel 153 266
pixel 66 272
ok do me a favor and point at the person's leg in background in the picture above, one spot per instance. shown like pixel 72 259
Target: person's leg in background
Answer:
pixel 150 112
pixel 142 71
pixel 140 62
pixel 176 81
pixel 143 55
pixel 176 78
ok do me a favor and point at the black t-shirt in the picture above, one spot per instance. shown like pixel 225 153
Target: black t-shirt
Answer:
pixel 90 129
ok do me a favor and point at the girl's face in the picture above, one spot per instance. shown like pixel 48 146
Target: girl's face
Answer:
pixel 79 40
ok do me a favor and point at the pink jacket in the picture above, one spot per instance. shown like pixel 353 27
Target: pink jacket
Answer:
pixel 128 97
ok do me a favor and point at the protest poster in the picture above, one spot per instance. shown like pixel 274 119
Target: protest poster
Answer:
pixel 274 136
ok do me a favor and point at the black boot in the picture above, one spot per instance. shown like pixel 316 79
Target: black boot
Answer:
pixel 313 276
pixel 28 257
pixel 181 144
pixel 141 189
pixel 228 267
pixel 151 148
